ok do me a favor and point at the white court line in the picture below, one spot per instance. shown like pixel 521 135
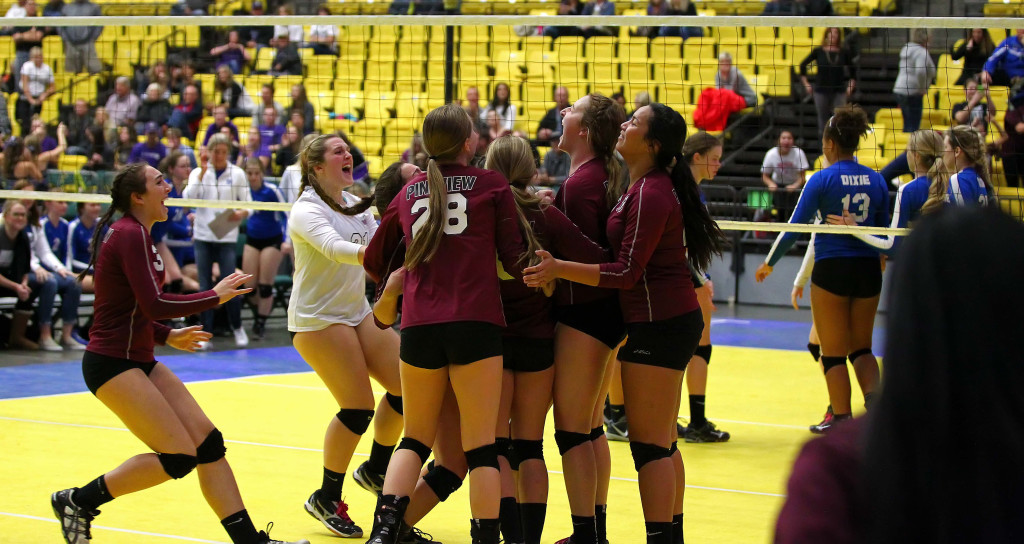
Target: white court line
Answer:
pixel 117 529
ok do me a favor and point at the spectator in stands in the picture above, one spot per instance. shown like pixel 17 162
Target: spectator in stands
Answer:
pixel 37 84
pixel 175 145
pixel 25 38
pixel 123 105
pixel 290 146
pixel 415 148
pixel 259 35
pixel 550 128
pixel 150 151
pixel 267 101
pixel 555 168
pixel 190 7
pixel 78 120
pixel 187 115
pixel 157 73
pixel 301 103
pixel 18 163
pixel 220 122
pixel 49 248
pixel 977 106
pixel 323 38
pixel 182 76
pixel 287 61
pixel 495 128
pixel 598 7
pixel 232 54
pixel 127 138
pixel 501 104
pixel 5 120
pixel 154 108
pixel 670 7
pixel 1013 147
pixel 642 98
pixel 299 122
pixel 16 10
pixel 100 155
pixel 270 131
pixel 836 77
pixel 472 106
pixel 291 179
pixel 80 41
pixel 976 47
pixel 102 120
pixel 178 240
pixel 253 149
pixel 729 78
pixel 917 70
pixel 785 165
pixel 15 265
pixel 45 150
pixel 1006 66
pixel 566 7
pixel 80 233
pixel 232 95
pixel 294 32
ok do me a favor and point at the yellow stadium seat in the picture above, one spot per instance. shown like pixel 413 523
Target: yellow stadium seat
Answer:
pixel 890 118
pixel 603 71
pixel 671 72
pixel 265 59
pixel 347 103
pixel 780 79
pixel 478 33
pixel 728 34
pixel 636 71
pixel 53 52
pixel 699 48
pixel 569 47
pixel 380 71
pixel 768 54
pixel 382 51
pixel 601 48
pixel 412 52
pixel 1000 97
pixel 357 34
pixel 633 50
pixel 701 75
pixel 666 49
pixel 534 93
pixel 675 94
pixel 607 87
pixel 797 53
pixel 762 35
pixel 934 118
pixel 473 51
pixel 71 163
pixel 320 66
pixel 506 36
pixel 409 111
pixel 572 69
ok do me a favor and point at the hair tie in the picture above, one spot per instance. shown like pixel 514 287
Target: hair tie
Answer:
pixel 432 157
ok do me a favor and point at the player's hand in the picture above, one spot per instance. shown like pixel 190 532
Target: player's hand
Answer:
pixel 396 283
pixel 845 219
pixel 188 339
pixel 228 288
pixel 763 272
pixel 545 271
pixel 546 196
pixel 797 294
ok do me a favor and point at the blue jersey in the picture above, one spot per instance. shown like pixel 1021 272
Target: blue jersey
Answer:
pixel 266 224
pixel 966 188
pixel 57 237
pixel 844 186
pixel 79 237
pixel 909 201
pixel 178 229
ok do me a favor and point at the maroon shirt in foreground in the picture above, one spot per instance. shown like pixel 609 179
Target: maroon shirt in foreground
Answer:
pixel 460 282
pixel 583 199
pixel 825 499
pixel 645 230
pixel 527 310
pixel 128 276
pixel 384 254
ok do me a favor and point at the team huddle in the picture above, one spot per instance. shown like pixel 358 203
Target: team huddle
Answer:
pixel 511 302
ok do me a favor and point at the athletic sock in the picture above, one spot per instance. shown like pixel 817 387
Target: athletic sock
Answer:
pixel 511 523
pixel 380 457
pixel 261 320
pixel 332 484
pixel 697 418
pixel 677 529
pixel 601 522
pixel 815 350
pixel 92 495
pixel 533 514
pixel 584 530
pixel 240 528
pixel 659 532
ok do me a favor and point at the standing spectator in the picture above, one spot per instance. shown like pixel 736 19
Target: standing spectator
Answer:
pixel 154 108
pixel 555 168
pixel 1006 66
pixel 784 165
pixel 232 95
pixel 175 145
pixel 550 128
pixel 976 47
pixel 151 151
pixel 323 38
pixel 472 106
pixel 974 108
pixel 127 138
pixel 257 36
pixel 37 84
pixel 729 77
pixel 123 105
pixel 232 54
pixel 917 70
pixel 301 103
pixel 836 75
pixel 78 120
pixel 294 32
pixel 501 105
pixel 25 38
pixel 287 61
pixel 267 101
pixel 270 131
pixel 1013 147
pixel 253 149
pixel 187 115
pixel 287 152
pixel 80 41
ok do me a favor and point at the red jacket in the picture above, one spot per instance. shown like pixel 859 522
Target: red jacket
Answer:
pixel 714 107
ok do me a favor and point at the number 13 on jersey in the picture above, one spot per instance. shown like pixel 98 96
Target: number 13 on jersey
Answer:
pixel 863 204
pixel 456 219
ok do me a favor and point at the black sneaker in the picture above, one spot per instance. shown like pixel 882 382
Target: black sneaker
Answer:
pixel 416 536
pixel 368 480
pixel 265 537
pixel 75 522
pixel 387 521
pixel 334 516
pixel 617 430
pixel 680 430
pixel 825 421
pixel 705 433
pixel 259 330
pixel 826 426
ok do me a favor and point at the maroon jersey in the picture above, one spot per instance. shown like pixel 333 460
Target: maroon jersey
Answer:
pixel 583 199
pixel 128 276
pixel 460 282
pixel 384 254
pixel 527 310
pixel 645 230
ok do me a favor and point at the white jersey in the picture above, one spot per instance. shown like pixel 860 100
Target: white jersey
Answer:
pixel 328 285
pixel 230 185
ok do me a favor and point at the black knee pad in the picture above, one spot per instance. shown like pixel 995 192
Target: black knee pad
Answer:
pixel 395 402
pixel 212 449
pixel 503 447
pixel 646 453
pixel 830 362
pixel 266 291
pixel 484 456
pixel 525 449
pixel 673 448
pixel 417 447
pixel 815 350
pixel 858 353
pixel 177 465
pixel 442 481
pixel 704 352
pixel 596 432
pixel 567 440
pixel 355 419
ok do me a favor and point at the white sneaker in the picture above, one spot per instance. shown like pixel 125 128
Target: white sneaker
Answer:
pixel 205 346
pixel 73 346
pixel 241 339
pixel 47 344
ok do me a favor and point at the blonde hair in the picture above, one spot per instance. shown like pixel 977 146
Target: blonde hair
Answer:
pixel 311 156
pixel 924 151
pixel 511 157
pixel 603 118
pixel 972 143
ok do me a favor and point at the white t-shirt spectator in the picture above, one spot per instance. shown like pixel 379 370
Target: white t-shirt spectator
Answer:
pixel 508 118
pixel 323 31
pixel 785 169
pixel 39 77
pixel 16 11
pixel 294 33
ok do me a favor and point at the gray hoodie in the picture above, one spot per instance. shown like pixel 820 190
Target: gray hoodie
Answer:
pixel 79 35
pixel 917 70
pixel 737 84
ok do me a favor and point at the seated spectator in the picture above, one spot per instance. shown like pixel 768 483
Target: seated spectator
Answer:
pixel 157 73
pixel 19 164
pixel 267 101
pixel 301 103
pixel 150 151
pixel 415 148
pixel 1013 147
pixel 15 265
pixel 785 165
pixel 257 36
pixel 495 129
pixel 220 122
pixel 501 105
pixel 175 145
pixel 253 149
pixel 472 105
pixel 287 152
pixel 46 151
pixel 100 155
pixel 286 62
pixel 127 138
pixel 1006 66
pixel 17 10
pixel 729 78
pixel 917 70
pixel 975 107
pixel 550 128
pixel 102 120
pixel 810 8
pixel 46 235
pixel 642 98
pixel 80 233
pixel 154 109
pixel 294 32
pixel 323 38
pixel 233 54
pixel 673 7
pixel 37 84
pixel 190 7
pixel 5 120
pixel 187 115
pixel 976 47
pixel 182 76
pixel 78 120
pixel 232 95
pixel 270 131
pixel 123 105
pixel 555 168
pixel 566 7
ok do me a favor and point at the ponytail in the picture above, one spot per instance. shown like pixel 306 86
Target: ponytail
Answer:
pixel 130 180
pixel 425 241
pixel 704 239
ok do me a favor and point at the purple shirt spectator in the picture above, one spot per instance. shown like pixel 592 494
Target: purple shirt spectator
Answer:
pixel 151 155
pixel 270 136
